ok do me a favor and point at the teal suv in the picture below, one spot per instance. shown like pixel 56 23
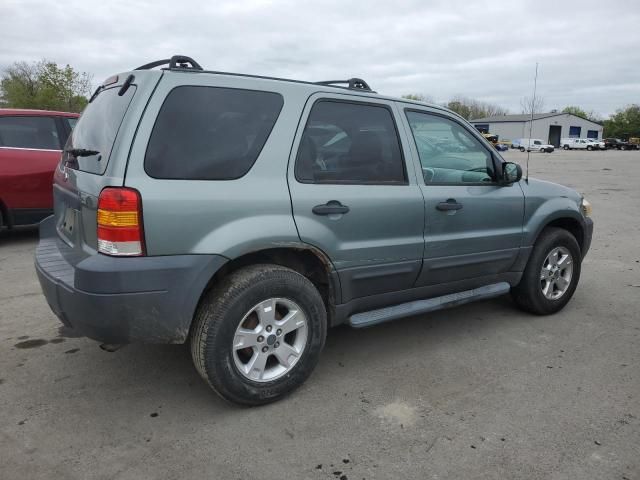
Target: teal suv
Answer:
pixel 246 215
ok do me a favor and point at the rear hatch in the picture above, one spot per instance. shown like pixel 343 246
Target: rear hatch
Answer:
pixel 95 157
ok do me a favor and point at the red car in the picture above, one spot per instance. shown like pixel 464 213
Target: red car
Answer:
pixel 31 142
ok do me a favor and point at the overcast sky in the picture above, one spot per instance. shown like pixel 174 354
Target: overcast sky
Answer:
pixel 589 51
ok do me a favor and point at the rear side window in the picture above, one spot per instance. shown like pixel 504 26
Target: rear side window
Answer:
pixel 350 143
pixel 29 132
pixel 96 130
pixel 210 133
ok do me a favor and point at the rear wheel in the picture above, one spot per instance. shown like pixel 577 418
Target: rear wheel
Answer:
pixel 257 336
pixel 522 149
pixel 551 275
pixel 566 147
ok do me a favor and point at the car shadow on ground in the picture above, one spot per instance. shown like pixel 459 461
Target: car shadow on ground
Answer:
pixel 18 235
pixel 152 370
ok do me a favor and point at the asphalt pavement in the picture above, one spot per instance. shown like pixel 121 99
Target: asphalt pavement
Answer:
pixel 480 391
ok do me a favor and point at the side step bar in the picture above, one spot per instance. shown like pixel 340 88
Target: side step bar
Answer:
pixel 373 317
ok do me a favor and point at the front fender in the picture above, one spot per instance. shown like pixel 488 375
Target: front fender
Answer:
pixel 542 214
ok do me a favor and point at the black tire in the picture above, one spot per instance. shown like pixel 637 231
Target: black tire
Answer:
pixel 566 147
pixel 522 149
pixel 589 147
pixel 623 147
pixel 219 314
pixel 528 293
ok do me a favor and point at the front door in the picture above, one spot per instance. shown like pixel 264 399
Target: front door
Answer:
pixel 353 196
pixel 473 224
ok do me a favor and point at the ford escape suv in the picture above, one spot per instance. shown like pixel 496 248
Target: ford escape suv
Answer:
pixel 247 214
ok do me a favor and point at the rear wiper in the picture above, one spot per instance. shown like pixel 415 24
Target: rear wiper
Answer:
pixel 81 152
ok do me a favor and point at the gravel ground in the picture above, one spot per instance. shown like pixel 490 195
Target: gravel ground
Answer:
pixel 480 391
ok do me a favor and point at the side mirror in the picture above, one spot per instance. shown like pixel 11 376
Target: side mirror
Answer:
pixel 511 173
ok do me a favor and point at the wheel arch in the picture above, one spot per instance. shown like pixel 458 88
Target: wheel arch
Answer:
pixel 305 259
pixel 5 218
pixel 571 224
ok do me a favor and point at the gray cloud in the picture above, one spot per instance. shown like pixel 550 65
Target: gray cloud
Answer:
pixel 587 50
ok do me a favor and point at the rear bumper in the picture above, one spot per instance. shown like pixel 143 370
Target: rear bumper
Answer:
pixel 122 300
pixel 588 234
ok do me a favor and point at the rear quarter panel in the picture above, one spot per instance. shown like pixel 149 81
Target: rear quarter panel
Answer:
pixel 228 217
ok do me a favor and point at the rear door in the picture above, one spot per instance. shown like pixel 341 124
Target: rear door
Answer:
pixel 30 148
pixel 107 128
pixel 353 195
pixel 473 224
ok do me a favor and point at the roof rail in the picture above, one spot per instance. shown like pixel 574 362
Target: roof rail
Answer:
pixel 352 84
pixel 176 62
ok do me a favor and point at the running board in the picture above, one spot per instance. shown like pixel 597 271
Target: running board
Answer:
pixel 373 317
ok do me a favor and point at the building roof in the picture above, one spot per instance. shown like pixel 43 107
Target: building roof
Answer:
pixel 524 118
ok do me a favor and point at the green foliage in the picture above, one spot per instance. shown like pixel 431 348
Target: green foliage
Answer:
pixel 625 123
pixel 577 111
pixel 44 85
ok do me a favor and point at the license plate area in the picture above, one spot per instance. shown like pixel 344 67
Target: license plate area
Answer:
pixel 67 224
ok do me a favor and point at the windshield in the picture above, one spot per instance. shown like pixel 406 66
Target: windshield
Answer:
pixel 96 131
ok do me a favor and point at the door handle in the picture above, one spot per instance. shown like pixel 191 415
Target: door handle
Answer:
pixel 332 207
pixel 450 204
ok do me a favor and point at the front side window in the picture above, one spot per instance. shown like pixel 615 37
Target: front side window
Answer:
pixel 210 133
pixel 29 132
pixel 350 143
pixel 448 152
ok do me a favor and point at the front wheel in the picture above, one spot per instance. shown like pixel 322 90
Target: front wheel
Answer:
pixel 589 147
pixel 257 336
pixel 552 273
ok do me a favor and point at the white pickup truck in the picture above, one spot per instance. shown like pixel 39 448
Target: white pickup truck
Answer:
pixel 580 144
pixel 533 145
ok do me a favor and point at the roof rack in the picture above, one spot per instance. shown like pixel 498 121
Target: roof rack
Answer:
pixel 352 84
pixel 176 62
pixel 182 62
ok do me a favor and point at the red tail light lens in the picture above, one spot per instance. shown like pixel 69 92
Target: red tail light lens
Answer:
pixel 120 222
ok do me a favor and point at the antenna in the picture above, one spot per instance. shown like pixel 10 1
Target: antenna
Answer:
pixel 533 104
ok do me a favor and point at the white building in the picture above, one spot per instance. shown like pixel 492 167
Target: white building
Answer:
pixel 550 127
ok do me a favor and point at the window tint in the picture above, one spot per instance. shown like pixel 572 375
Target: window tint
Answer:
pixel 350 143
pixel 97 129
pixel 29 132
pixel 448 152
pixel 210 133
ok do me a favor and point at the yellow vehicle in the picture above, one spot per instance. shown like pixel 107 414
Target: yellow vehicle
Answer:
pixel 500 145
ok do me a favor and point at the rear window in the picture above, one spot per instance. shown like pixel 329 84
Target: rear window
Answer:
pixel 29 132
pixel 210 133
pixel 97 129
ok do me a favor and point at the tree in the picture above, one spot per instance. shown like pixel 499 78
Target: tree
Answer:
pixel 44 85
pixel 471 109
pixel 625 123
pixel 579 112
pixel 418 97
pixel 529 103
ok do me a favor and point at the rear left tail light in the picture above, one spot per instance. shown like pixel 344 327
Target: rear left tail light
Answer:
pixel 120 222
